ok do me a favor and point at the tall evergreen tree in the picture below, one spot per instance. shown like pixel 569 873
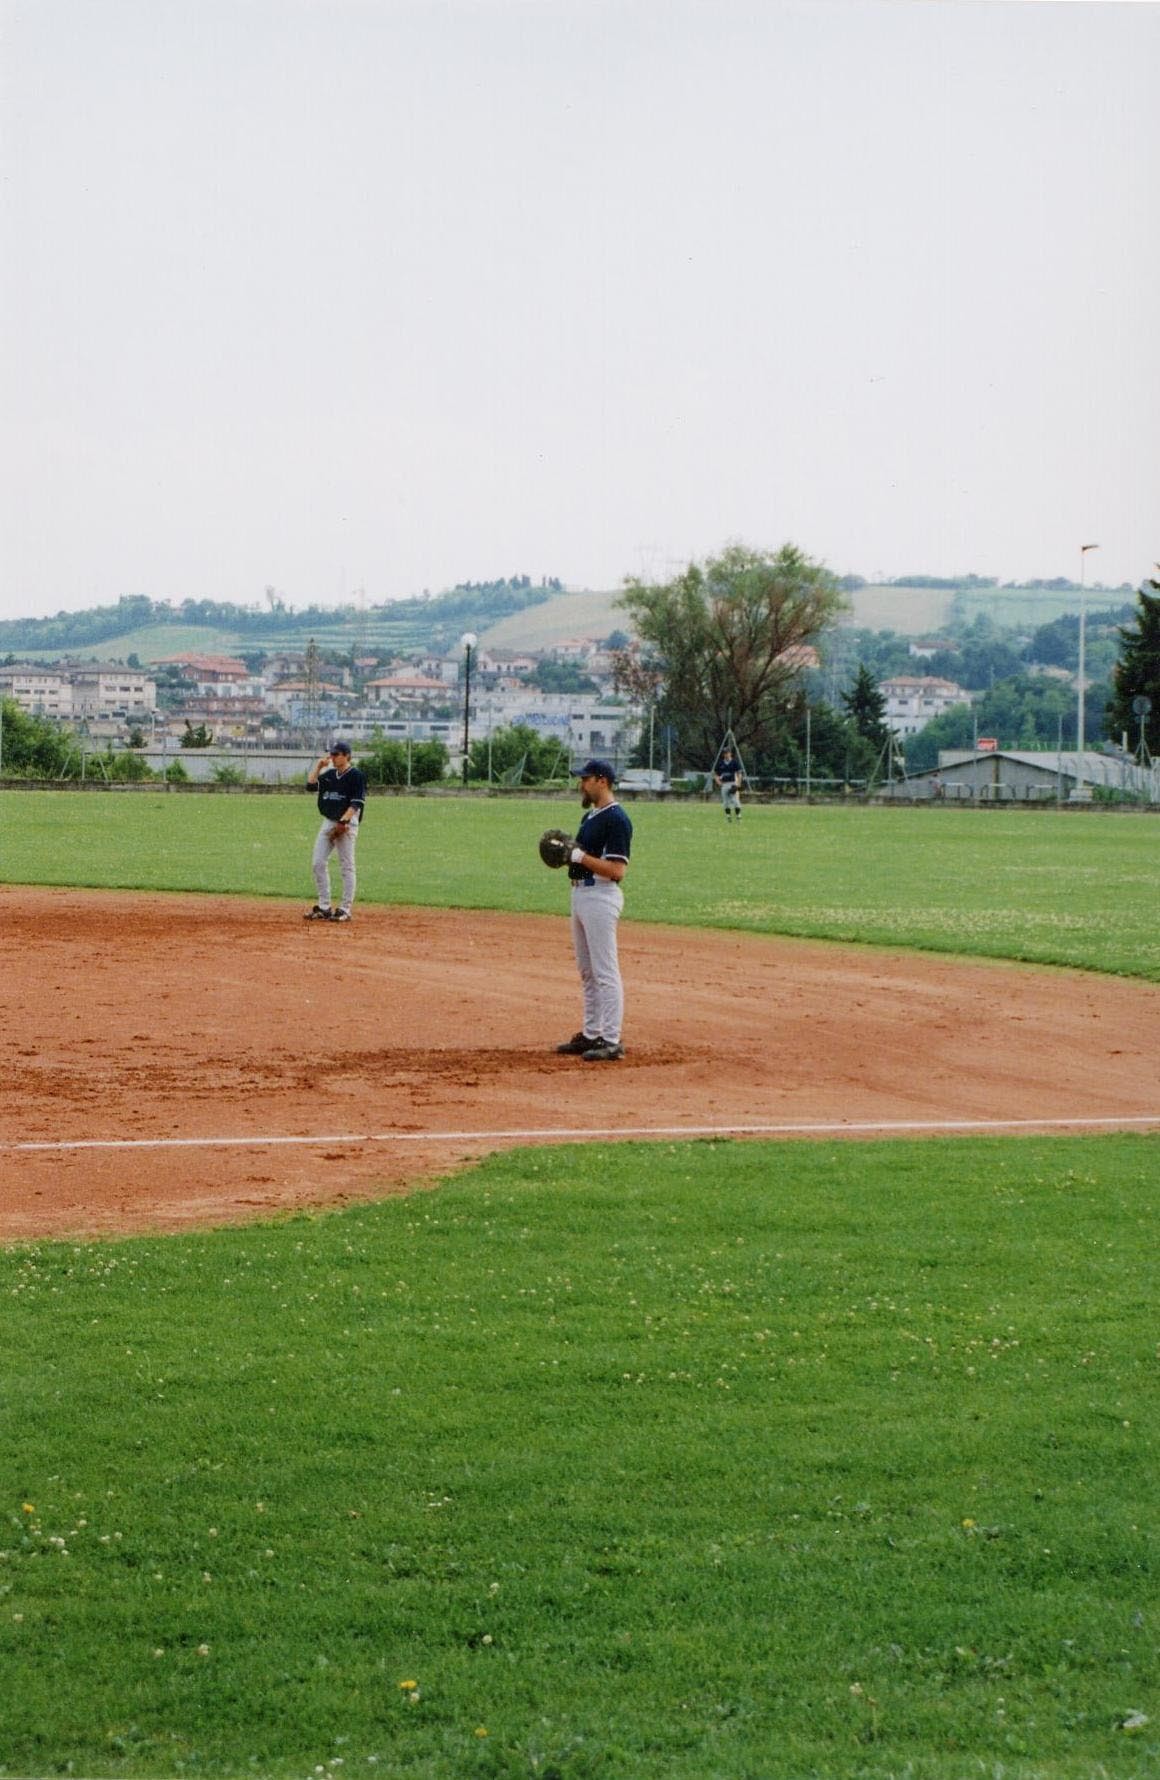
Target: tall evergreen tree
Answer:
pixel 1138 673
pixel 866 707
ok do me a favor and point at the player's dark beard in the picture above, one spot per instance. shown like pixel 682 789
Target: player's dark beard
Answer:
pixel 585 801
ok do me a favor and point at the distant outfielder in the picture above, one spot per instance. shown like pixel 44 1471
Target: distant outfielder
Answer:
pixel 342 794
pixel 730 777
pixel 597 861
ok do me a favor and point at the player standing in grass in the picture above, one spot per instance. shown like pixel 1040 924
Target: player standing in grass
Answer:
pixel 342 794
pixel 730 778
pixel 596 865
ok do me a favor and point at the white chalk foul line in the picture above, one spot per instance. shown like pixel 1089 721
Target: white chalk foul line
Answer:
pixel 586 1133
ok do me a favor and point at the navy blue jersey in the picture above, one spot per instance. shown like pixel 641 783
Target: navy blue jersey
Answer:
pixel 606 834
pixel 339 791
pixel 729 772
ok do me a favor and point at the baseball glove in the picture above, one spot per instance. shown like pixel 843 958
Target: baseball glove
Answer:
pixel 555 847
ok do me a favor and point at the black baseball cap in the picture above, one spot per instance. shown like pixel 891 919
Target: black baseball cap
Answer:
pixel 338 747
pixel 597 769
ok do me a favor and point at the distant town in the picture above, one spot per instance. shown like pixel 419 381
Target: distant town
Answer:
pixel 295 699
pixel 881 702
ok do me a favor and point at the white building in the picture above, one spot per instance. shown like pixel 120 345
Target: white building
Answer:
pixel 914 700
pixel 444 668
pixel 586 723
pixel 100 691
pixel 42 692
pixel 409 690
pixel 290 695
pixel 83 691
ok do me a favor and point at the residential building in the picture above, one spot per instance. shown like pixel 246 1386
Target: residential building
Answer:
pixel 232 715
pixel 408 690
pixel 914 700
pixel 210 670
pixel 586 723
pixel 219 676
pixel 575 649
pixel 444 668
pixel 290 697
pixel 42 692
pixel 100 690
pixel 510 663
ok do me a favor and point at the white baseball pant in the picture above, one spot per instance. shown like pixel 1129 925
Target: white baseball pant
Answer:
pixel 595 913
pixel 341 843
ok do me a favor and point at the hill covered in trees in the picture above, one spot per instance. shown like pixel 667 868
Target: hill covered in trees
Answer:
pixel 518 613
pixel 426 621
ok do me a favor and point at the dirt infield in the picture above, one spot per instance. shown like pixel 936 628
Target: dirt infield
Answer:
pixel 197 1019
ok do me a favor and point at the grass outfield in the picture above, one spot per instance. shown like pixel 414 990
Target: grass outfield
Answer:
pixel 1049 887
pixel 717 1460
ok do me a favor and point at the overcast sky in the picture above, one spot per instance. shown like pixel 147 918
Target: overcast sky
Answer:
pixel 330 294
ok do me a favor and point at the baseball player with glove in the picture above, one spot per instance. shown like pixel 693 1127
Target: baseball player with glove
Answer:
pixel 730 778
pixel 597 860
pixel 342 794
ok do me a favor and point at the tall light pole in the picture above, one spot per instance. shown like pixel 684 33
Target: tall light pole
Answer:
pixel 469 640
pixel 1079 725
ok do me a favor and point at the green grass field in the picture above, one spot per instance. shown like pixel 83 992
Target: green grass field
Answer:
pixel 1048 887
pixel 705 1461
pixel 698 1460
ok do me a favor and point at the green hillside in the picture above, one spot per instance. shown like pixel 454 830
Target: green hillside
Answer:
pixel 150 643
pixel 924 611
pixel 567 615
pixel 152 629
pixel 503 615
pixel 911 611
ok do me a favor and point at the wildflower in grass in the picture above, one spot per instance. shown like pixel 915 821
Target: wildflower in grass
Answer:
pixel 28 1508
pixel 203 1650
pixel 481 1730
pixel 408 1686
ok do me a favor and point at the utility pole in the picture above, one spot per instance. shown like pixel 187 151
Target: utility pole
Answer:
pixel 1080 783
pixel 311 676
pixel 468 640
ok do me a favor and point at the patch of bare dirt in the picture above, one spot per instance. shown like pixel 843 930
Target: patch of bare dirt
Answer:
pixel 181 1017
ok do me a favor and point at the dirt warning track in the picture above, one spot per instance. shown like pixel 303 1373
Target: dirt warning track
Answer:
pixel 200 1034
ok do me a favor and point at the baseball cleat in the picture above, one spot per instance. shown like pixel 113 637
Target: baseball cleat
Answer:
pixel 603 1051
pixel 576 1045
pixel 341 915
pixel 318 914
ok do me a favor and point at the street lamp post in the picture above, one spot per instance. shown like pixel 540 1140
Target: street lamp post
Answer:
pixel 469 640
pixel 1079 737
